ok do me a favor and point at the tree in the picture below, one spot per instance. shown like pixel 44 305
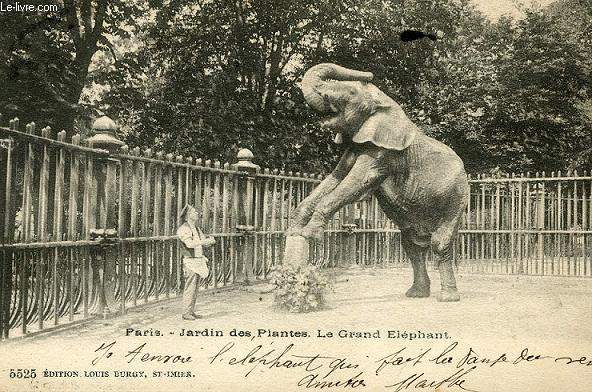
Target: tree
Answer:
pixel 46 56
pixel 210 77
pixel 575 20
pixel 542 84
pixel 443 85
pixel 223 76
pixel 506 95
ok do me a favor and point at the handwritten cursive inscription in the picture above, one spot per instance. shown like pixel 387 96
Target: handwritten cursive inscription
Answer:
pixel 449 367
pixel 270 358
pixel 322 371
pixel 107 351
pixel 421 380
pixel 526 356
pixel 584 361
pixel 472 358
pixel 315 381
pixel 398 359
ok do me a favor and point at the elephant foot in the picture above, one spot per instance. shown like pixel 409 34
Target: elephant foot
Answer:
pixel 418 291
pixel 448 296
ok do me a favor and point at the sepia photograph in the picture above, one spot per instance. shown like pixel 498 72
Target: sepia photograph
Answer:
pixel 296 195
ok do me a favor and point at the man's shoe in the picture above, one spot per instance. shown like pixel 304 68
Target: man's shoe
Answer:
pixel 188 316
pixel 196 316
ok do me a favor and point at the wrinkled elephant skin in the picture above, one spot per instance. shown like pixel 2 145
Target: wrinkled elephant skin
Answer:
pixel 419 182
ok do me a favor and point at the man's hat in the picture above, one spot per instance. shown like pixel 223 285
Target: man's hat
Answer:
pixel 184 211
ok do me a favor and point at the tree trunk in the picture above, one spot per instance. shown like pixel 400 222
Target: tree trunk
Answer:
pixel 71 111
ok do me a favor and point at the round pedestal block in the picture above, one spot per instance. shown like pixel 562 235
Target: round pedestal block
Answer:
pixel 296 251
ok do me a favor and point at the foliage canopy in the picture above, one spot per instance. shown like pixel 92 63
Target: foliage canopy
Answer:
pixel 205 78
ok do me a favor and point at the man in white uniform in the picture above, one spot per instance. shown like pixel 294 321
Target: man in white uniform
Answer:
pixel 194 263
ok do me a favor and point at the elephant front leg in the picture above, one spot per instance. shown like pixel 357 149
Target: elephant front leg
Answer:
pixel 306 208
pixel 303 213
pixel 366 174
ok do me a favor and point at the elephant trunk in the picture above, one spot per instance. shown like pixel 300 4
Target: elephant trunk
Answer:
pixel 318 75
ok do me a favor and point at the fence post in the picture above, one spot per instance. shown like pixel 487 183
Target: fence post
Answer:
pixel 6 233
pixel 348 246
pixel 245 213
pixel 106 176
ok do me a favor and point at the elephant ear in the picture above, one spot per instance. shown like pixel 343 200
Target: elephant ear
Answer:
pixel 388 127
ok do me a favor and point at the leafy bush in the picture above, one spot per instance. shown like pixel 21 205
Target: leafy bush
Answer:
pixel 299 288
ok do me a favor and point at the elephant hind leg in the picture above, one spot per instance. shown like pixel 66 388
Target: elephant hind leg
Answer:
pixel 416 251
pixel 442 246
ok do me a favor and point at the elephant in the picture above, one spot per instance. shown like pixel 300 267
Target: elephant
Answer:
pixel 419 182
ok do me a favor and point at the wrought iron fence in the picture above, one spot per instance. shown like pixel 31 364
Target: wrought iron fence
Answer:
pixel 58 198
pixel 529 224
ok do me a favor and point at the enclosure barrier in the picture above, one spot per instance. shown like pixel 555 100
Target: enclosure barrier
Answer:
pixel 88 230
pixel 529 224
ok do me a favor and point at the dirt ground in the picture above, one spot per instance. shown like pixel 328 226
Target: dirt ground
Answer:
pixel 508 333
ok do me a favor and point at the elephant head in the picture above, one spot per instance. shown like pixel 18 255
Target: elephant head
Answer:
pixel 356 108
pixel 317 77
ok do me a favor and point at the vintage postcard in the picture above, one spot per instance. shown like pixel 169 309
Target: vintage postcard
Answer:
pixel 271 195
